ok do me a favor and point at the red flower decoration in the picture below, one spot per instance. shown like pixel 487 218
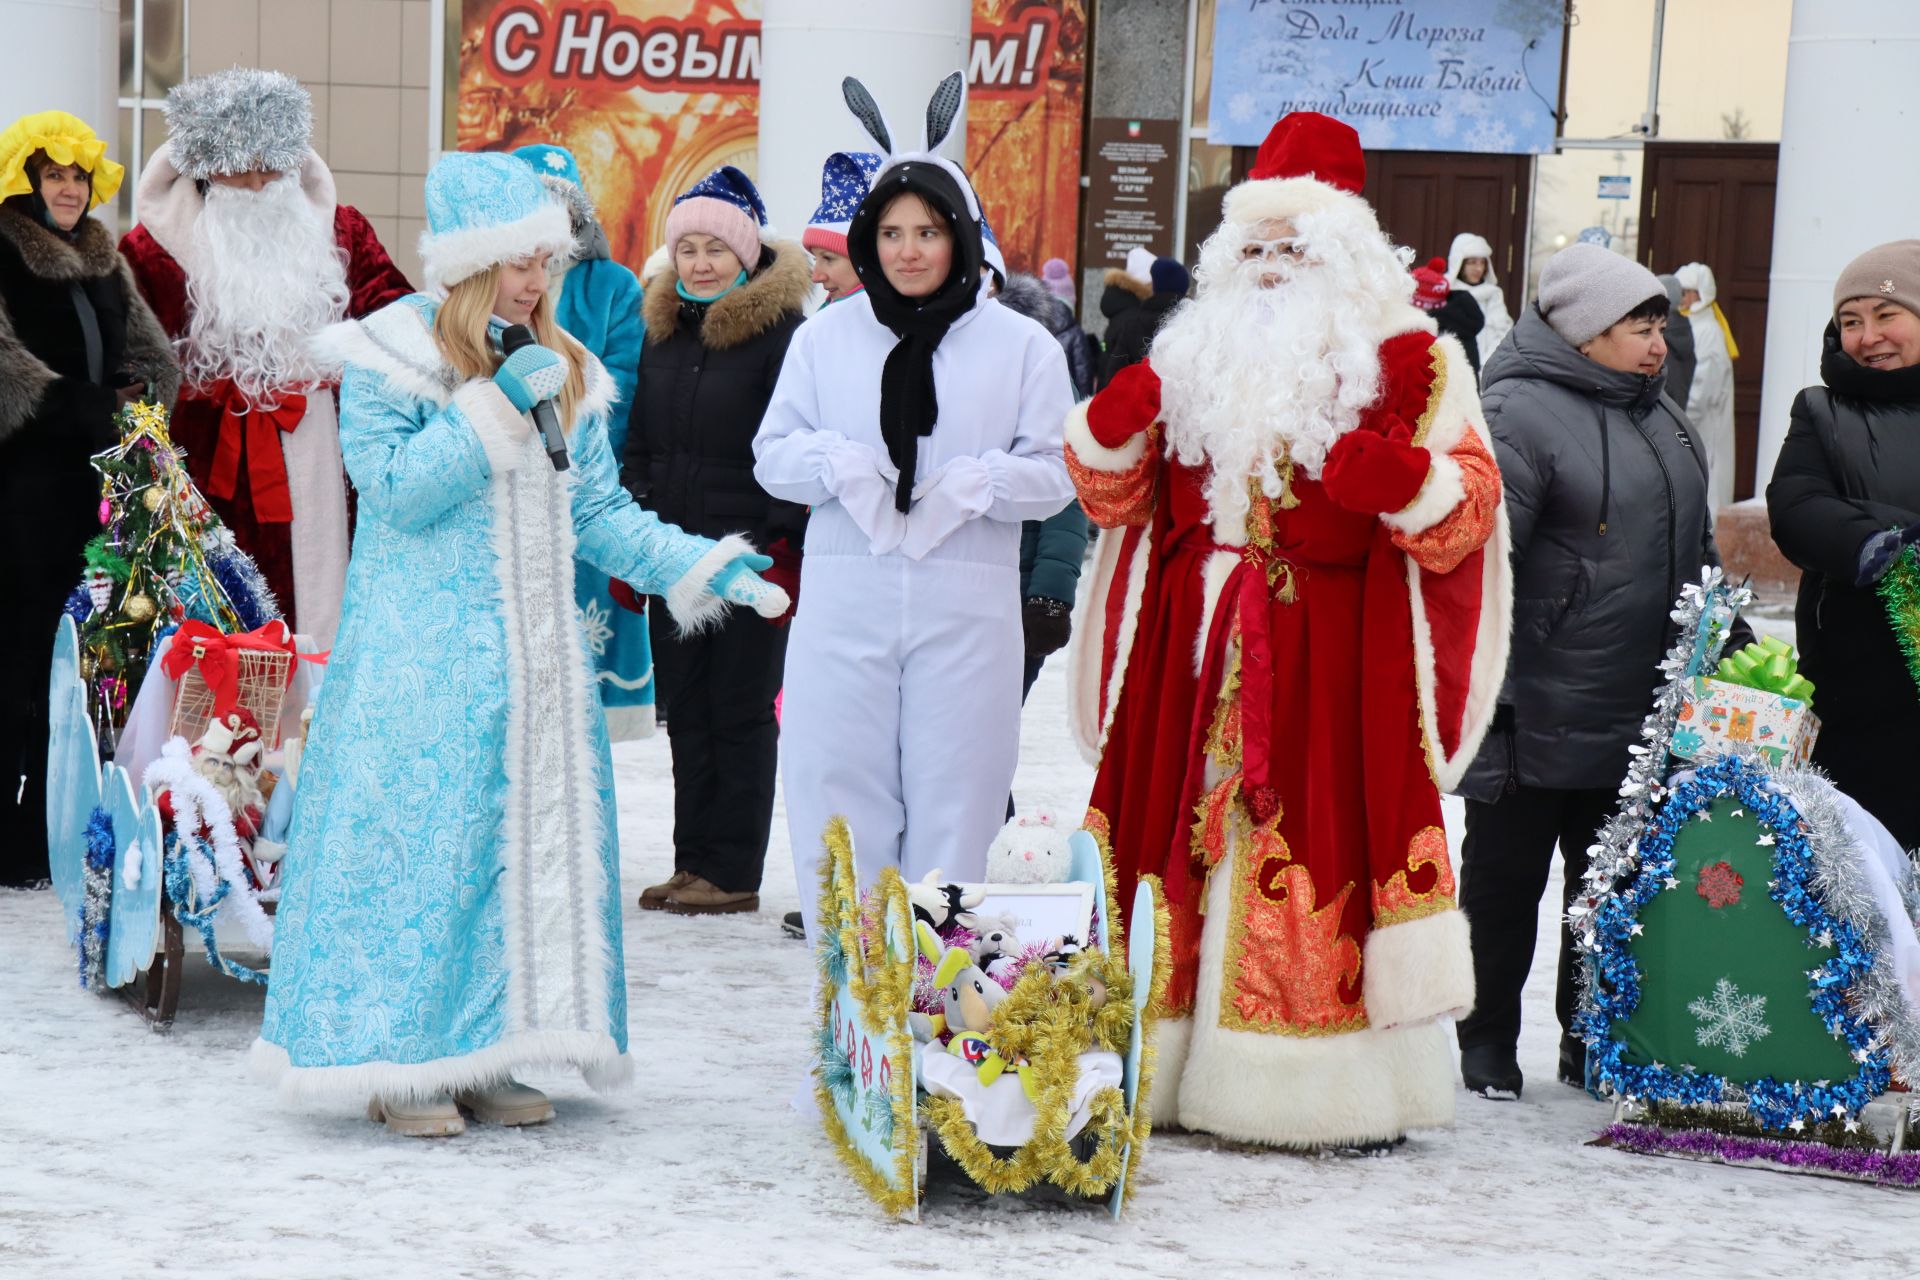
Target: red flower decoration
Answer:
pixel 1719 884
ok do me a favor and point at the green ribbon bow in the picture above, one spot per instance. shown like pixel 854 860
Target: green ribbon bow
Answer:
pixel 1770 666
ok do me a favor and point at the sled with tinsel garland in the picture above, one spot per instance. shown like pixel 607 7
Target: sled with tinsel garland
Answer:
pixel 1073 1032
pixel 171 641
pixel 1750 962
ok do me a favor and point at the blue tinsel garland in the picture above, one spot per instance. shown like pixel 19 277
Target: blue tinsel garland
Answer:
pixel 246 589
pixel 1615 991
pixel 97 898
pixel 180 891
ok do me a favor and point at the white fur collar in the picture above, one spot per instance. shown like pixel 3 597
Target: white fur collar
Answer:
pixel 397 343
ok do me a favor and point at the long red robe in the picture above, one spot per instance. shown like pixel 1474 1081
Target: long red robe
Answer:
pixel 1272 703
pixel 199 418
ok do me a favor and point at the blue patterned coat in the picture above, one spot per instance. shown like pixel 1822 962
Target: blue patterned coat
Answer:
pixel 451 908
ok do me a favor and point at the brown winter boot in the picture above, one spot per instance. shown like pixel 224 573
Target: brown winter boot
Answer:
pixel 702 898
pixel 654 896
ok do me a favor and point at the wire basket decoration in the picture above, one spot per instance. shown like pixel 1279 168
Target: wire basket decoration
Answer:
pixel 262 687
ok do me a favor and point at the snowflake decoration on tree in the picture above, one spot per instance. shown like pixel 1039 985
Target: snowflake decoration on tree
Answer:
pixel 1719 884
pixel 1729 1020
pixel 596 621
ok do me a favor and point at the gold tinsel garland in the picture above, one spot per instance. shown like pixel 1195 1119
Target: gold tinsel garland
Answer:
pixel 883 1003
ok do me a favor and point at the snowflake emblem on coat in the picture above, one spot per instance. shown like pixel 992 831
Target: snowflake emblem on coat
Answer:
pixel 556 161
pixel 1729 1020
pixel 1719 884
pixel 596 621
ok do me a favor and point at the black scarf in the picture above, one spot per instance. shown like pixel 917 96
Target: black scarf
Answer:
pixel 908 405
pixel 1842 373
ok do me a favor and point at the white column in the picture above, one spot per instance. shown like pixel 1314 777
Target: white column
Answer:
pixel 64 55
pixel 899 49
pixel 1845 185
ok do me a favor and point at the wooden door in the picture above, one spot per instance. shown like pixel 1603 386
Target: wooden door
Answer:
pixel 1425 198
pixel 1712 202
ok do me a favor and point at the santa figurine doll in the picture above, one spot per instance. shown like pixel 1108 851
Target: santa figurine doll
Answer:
pixel 1292 646
pixel 228 757
pixel 245 253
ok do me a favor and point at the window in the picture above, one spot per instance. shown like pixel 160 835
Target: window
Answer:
pixel 153 58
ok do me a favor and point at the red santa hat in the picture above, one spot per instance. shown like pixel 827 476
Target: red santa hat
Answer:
pixel 235 735
pixel 1430 287
pixel 1310 163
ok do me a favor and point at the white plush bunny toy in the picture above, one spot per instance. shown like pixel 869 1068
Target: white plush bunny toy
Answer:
pixel 1031 849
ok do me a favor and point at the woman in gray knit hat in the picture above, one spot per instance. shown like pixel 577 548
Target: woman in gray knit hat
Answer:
pixel 1607 497
pixel 1844 501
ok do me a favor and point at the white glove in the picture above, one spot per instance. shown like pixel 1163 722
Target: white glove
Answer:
pixel 959 490
pixel 863 481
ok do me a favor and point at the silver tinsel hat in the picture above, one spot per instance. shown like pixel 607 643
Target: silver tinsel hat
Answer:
pixel 237 121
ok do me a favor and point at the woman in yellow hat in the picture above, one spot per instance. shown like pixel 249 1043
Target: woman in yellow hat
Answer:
pixel 76 343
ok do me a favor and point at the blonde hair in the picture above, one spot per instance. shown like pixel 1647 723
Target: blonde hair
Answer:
pixel 460 331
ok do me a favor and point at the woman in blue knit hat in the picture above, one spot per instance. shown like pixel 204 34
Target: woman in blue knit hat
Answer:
pixel 451 910
pixel 718 325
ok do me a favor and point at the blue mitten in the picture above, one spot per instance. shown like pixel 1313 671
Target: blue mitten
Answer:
pixel 739 583
pixel 734 568
pixel 531 375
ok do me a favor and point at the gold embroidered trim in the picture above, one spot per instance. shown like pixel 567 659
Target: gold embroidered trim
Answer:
pixel 1396 903
pixel 1437 357
pixel 1338 959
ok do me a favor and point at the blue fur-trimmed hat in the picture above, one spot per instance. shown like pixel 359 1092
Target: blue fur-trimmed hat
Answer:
pixel 483 208
pixel 845 179
pixel 550 161
pixel 990 250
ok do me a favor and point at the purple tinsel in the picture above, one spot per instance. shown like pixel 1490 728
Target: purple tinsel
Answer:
pixel 1901 1170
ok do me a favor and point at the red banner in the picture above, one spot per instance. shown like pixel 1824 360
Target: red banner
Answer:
pixel 652 94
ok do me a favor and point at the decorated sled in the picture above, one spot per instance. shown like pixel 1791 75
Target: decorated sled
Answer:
pixel 1751 969
pixel 1051 1088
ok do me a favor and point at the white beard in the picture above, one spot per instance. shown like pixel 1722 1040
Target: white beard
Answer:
pixel 239 787
pixel 1251 376
pixel 264 275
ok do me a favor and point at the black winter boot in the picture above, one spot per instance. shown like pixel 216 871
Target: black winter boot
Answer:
pixel 1492 1072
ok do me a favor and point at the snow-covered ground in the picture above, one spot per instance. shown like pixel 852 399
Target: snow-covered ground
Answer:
pixel 126 1153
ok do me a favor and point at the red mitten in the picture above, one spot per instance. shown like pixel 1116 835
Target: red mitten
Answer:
pixel 785 574
pixel 1127 406
pixel 626 597
pixel 1376 472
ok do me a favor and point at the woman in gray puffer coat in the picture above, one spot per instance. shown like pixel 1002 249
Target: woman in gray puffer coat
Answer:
pixel 1607 497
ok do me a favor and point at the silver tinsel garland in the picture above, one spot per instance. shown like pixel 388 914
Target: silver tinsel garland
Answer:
pixel 1703 615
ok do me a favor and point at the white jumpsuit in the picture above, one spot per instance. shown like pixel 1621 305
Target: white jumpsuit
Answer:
pixel 902 702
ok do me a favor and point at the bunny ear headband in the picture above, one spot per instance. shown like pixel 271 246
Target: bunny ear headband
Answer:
pixel 948 104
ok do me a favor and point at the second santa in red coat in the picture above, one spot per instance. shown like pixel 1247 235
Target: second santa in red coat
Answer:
pixel 244 252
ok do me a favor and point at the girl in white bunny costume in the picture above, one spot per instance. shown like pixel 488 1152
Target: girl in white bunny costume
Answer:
pixel 922 422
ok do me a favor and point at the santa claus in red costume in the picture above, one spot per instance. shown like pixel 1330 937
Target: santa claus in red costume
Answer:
pixel 1293 645
pixel 245 253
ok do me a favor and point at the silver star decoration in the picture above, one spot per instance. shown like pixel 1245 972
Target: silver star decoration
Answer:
pixel 1636 931
pixel 1798 1126
pixel 1853 1126
pixel 1766 839
pixel 1672 883
pixel 1738 813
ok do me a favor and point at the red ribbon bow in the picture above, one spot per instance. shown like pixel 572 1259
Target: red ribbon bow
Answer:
pixel 217 654
pixel 254 429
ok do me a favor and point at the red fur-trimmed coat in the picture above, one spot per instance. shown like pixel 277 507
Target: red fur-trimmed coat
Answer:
pixel 167 210
pixel 1294 689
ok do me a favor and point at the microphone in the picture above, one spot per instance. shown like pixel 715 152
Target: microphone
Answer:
pixel 514 337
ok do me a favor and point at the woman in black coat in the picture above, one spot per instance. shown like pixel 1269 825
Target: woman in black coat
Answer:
pixel 717 332
pixel 76 343
pixel 1606 498
pixel 1844 500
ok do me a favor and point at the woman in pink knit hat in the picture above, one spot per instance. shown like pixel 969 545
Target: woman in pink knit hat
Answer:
pixel 718 324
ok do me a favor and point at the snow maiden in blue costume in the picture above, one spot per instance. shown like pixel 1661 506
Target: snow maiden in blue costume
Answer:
pixel 452 902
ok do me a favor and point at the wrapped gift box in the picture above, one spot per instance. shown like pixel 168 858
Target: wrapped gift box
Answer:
pixel 1718 716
